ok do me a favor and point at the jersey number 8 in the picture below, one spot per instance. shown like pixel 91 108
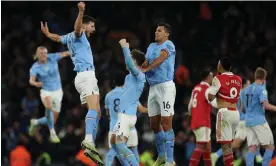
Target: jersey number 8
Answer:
pixel 116 103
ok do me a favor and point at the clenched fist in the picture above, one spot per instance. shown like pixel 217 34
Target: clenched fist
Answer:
pixel 81 6
pixel 123 43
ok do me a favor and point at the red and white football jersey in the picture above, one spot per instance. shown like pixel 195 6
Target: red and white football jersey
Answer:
pixel 227 87
pixel 200 107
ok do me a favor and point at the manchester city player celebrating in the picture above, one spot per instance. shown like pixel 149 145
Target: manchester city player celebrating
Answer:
pixel 46 71
pixel 132 90
pixel 85 81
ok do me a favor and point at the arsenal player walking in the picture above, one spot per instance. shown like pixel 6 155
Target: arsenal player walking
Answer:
pixel 199 108
pixel 226 87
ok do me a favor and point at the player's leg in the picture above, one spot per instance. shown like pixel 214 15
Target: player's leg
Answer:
pixel 125 122
pixel 203 147
pixel 57 99
pixel 111 152
pixel 265 136
pixel 240 136
pixel 155 123
pixel 132 143
pixel 86 85
pixel 166 100
pixel 120 156
pixel 42 120
pixel 227 122
pixel 252 142
pixel 94 112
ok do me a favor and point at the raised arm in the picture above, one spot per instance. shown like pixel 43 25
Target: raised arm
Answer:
pixel 78 22
pixel 45 30
pixel 129 62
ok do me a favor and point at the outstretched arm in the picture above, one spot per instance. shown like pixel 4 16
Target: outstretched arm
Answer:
pixel 129 62
pixel 78 23
pixel 45 30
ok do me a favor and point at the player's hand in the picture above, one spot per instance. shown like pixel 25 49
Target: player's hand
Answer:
pixel 123 43
pixel 145 69
pixel 38 84
pixel 44 28
pixel 81 6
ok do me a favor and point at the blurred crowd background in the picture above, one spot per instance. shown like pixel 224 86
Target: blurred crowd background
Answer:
pixel 203 32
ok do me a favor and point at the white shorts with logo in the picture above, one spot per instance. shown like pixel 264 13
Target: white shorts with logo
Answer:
pixel 132 140
pixel 241 131
pixel 259 135
pixel 56 97
pixel 86 84
pixel 124 124
pixel 227 123
pixel 161 99
pixel 203 134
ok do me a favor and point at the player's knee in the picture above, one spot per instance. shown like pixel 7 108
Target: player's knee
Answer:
pixel 166 123
pixel 121 139
pixel 113 139
pixel 236 143
pixel 155 125
pixel 252 148
pixel 269 147
pixel 93 103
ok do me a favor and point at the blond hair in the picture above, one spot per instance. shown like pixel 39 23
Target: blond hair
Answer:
pixel 260 74
pixel 38 48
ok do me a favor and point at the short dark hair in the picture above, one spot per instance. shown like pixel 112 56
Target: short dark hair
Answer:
pixel 244 80
pixel 118 78
pixel 166 26
pixel 260 73
pixel 86 19
pixel 205 73
pixel 138 56
pixel 226 63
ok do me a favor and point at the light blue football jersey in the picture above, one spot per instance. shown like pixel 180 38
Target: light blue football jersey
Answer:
pixel 48 73
pixel 164 72
pixel 80 50
pixel 112 103
pixel 252 98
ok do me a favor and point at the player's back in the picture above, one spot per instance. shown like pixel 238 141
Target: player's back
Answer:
pixel 252 98
pixel 200 107
pixel 229 87
pixel 48 73
pixel 80 50
pixel 112 103
pixel 132 90
pixel 165 71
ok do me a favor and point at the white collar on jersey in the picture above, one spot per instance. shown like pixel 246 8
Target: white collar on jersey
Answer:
pixel 227 73
pixel 204 83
